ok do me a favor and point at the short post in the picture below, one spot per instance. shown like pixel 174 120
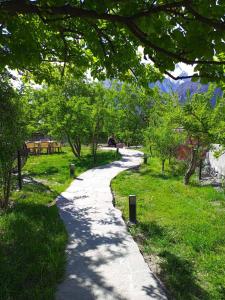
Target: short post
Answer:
pixel 132 209
pixel 72 170
pixel 117 150
pixel 145 158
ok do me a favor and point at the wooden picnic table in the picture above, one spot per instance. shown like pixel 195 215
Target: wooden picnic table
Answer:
pixel 39 147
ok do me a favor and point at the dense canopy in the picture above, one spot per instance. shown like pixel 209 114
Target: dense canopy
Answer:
pixel 106 35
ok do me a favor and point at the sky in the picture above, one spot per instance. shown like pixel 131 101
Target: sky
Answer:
pixel 180 67
pixel 189 69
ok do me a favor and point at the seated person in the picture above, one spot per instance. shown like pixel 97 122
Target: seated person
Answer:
pixel 111 141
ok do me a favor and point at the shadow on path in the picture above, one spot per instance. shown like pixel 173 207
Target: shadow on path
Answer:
pixel 81 272
pixel 103 262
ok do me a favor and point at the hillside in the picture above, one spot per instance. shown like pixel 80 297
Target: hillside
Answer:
pixel 184 87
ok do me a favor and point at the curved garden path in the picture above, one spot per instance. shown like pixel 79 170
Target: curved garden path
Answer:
pixel 103 261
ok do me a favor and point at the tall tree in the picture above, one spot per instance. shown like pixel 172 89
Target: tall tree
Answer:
pixel 106 35
pixel 204 124
pixel 130 104
pixel 62 110
pixel 12 134
pixel 99 115
pixel 161 135
pixel 74 109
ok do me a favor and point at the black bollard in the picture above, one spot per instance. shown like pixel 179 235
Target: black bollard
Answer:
pixel 132 209
pixel 117 150
pixel 145 158
pixel 72 170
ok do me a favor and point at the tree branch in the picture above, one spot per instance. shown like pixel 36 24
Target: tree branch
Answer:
pixel 65 52
pixel 105 36
pixel 158 8
pixel 14 7
pixel 182 77
pixel 195 75
pixel 62 13
pixel 211 22
pixel 143 38
pixel 170 8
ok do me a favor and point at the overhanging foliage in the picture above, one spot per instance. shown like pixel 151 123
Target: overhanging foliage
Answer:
pixel 106 35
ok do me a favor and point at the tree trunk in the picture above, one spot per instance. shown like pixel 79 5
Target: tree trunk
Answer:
pixel 170 157
pixel 192 167
pixel 163 166
pixel 95 137
pixel 77 146
pixel 200 169
pixel 94 147
pixel 150 150
pixel 6 177
pixel 19 170
pixel 8 188
pixel 73 148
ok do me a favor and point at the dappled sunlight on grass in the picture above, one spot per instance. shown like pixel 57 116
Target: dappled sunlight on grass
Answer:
pixel 32 246
pixel 183 225
pixel 32 235
pixel 54 169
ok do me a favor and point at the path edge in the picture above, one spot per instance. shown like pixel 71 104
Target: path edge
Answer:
pixel 162 285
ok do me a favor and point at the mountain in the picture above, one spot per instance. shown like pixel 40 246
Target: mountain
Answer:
pixel 184 87
pixel 181 87
pixel 190 87
pixel 166 86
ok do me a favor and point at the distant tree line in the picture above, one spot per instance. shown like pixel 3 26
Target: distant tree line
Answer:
pixel 82 111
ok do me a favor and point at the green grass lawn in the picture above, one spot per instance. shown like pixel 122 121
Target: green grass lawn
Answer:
pixel 181 230
pixel 32 236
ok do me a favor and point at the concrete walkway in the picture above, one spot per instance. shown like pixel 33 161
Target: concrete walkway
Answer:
pixel 104 262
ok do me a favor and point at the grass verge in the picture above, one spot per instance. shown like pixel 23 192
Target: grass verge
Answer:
pixel 32 236
pixel 181 230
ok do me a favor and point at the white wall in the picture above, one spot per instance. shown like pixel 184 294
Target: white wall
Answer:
pixel 217 163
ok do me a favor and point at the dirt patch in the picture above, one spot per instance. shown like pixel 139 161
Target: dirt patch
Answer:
pixel 216 203
pixel 152 260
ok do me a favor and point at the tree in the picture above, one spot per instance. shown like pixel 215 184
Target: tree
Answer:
pixel 165 141
pixel 62 110
pixel 12 133
pixel 71 119
pixel 161 135
pixel 130 104
pixel 99 115
pixel 204 125
pixel 105 36
pixel 74 109
pixel 70 112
